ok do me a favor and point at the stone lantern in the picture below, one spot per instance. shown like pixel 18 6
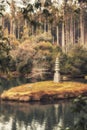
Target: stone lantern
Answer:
pixel 57 71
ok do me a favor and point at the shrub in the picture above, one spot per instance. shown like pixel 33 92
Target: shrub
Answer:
pixel 23 56
pixel 75 62
pixel 44 58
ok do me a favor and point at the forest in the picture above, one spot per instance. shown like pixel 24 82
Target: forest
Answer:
pixel 34 33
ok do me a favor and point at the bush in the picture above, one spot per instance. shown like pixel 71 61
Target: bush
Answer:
pixel 25 68
pixel 42 37
pixel 4 52
pixel 75 62
pixel 23 56
pixel 44 58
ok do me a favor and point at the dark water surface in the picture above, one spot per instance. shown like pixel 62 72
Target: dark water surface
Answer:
pixel 24 116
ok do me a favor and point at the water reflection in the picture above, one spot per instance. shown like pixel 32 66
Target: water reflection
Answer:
pixel 19 116
pixel 8 83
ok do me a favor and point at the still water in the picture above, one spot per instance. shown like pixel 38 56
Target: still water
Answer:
pixel 36 116
pixel 5 84
pixel 24 116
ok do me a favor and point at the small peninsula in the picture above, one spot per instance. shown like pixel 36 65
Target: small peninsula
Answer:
pixel 45 91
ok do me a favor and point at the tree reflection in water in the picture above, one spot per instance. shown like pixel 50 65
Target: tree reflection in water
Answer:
pixel 12 82
pixel 24 116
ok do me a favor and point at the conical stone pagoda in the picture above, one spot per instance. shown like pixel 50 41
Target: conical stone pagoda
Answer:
pixel 57 71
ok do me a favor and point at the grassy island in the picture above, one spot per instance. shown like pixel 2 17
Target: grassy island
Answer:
pixel 45 91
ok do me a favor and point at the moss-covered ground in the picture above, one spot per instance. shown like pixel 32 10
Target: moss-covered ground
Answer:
pixel 44 91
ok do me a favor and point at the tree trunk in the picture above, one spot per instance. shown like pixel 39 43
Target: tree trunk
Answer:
pixel 25 23
pixel 18 32
pixel 63 38
pixel 74 32
pixel 86 39
pixel 53 40
pixel 14 28
pixel 71 30
pixel 82 28
pixel 0 20
pixel 66 33
pixel 32 30
pixel 45 26
pixel 57 29
pixel 85 33
pixel 11 26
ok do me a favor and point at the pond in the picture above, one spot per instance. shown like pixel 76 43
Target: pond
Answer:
pixel 25 116
pixel 35 116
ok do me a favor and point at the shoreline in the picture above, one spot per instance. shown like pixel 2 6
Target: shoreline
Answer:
pixel 45 91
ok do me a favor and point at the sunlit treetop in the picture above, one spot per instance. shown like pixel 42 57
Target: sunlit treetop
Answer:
pixel 24 3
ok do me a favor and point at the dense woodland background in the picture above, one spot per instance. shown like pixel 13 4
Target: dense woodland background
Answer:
pixel 33 34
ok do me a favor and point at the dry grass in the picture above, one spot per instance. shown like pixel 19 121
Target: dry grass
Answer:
pixel 41 88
